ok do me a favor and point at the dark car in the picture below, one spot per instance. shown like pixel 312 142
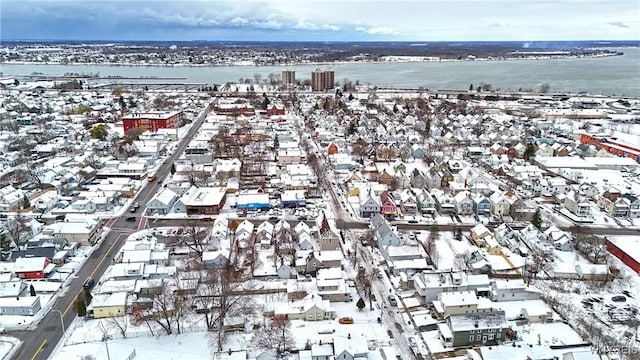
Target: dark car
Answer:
pixel 130 218
pixel 88 283
pixel 399 327
pixel 390 334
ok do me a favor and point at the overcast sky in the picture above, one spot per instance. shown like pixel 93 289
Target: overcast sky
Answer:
pixel 329 20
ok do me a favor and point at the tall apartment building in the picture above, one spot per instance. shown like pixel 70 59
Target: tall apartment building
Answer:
pixel 322 79
pixel 288 78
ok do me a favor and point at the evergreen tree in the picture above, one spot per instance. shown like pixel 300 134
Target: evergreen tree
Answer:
pixel 5 247
pixel 25 202
pixel 81 308
pixel 470 87
pixel 32 290
pixel 87 296
pixel 350 96
pixel 360 304
pixel 536 220
pixel 173 169
pixel 529 151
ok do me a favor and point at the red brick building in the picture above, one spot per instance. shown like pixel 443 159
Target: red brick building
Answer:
pixel 275 109
pixel 233 108
pixel 152 121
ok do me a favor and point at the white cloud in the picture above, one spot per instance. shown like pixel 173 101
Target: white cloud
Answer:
pixel 305 25
pixel 240 21
pixel 378 30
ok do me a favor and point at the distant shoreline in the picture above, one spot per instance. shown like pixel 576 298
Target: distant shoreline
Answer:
pixel 386 59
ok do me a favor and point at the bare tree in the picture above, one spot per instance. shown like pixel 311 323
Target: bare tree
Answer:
pixel 17 230
pixel 535 263
pixel 284 246
pixel 194 237
pixel 364 285
pixel 275 336
pixel 359 149
pixel 221 295
pixel 430 247
pixel 166 309
pixel 120 323
pixel 460 262
pixel 589 245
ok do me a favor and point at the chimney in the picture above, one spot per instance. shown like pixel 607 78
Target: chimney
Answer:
pixel 349 336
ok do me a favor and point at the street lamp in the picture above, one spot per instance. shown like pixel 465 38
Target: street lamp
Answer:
pixel 61 320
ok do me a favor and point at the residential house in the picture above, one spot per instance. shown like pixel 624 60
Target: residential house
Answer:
pixel 13 288
pixel 417 178
pixel 20 306
pixel 369 205
pixel 388 206
pixel 445 203
pixel 83 230
pixel 464 203
pixel 425 202
pixel 33 268
pixel 321 351
pixel 512 290
pixel 310 309
pixel 430 284
pixel 327 236
pixel 107 305
pixel 499 204
pixel 303 234
pixel 383 234
pixel 478 328
pixel 385 177
pixel 161 202
pixel 216 258
pixel 408 202
pixel 575 204
pixel 560 239
pixel 481 205
pixel 350 347
pixel 459 302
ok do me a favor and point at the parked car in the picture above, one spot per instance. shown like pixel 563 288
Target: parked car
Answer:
pixel 392 300
pixel 399 327
pixel 345 320
pixel 130 218
pixel 390 334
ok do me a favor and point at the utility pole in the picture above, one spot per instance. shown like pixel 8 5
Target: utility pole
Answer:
pixel 105 338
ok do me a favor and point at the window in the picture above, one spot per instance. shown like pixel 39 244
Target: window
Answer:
pixel 478 338
pixel 491 336
pixel 472 331
pixel 471 338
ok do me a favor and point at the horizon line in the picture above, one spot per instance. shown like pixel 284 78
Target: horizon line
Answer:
pixel 316 41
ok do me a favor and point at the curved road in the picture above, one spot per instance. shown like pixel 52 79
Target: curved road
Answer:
pixel 40 342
